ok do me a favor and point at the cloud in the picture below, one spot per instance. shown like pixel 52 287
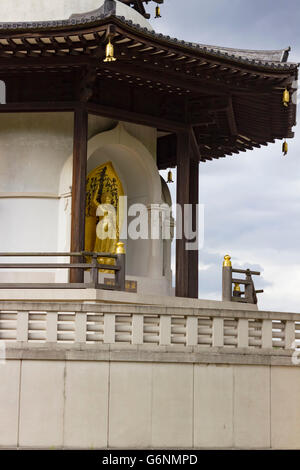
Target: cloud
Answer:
pixel 252 200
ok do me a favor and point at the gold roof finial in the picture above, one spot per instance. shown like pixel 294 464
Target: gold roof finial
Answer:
pixel 227 261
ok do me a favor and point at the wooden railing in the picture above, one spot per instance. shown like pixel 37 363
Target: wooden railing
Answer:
pixel 148 325
pixel 231 290
pixel 93 266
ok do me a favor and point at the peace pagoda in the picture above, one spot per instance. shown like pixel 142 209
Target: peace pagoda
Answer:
pixel 98 348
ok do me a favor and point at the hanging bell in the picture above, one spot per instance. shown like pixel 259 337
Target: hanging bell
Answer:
pixel 285 148
pixel 170 177
pixel 157 12
pixel 286 98
pixel 237 290
pixel 109 56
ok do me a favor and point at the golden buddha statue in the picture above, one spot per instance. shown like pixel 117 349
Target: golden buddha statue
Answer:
pixel 107 235
pixel 102 229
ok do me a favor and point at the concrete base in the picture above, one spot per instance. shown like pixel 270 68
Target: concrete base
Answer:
pixel 98 295
pixel 98 404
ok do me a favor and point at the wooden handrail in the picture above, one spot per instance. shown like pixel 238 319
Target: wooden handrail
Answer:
pixel 93 266
pixel 245 271
pixel 54 254
pixel 236 295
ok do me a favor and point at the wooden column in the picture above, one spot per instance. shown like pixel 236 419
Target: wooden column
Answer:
pixel 194 254
pixel 79 187
pixel 187 193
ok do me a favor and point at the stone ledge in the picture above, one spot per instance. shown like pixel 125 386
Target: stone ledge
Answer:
pixel 144 353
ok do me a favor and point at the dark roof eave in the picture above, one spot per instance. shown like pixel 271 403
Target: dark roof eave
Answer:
pixel 206 51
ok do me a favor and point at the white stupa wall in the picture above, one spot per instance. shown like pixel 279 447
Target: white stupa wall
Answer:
pixel 45 10
pixel 35 188
pixel 35 148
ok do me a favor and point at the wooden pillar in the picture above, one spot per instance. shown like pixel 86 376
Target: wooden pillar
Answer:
pixel 79 187
pixel 187 193
pixel 194 254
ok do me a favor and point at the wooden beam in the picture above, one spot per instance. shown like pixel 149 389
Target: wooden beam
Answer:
pixel 187 193
pixel 137 118
pixel 44 62
pixel 79 187
pixel 39 107
pixel 97 109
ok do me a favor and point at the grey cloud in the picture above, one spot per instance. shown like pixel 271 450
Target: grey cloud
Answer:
pixel 252 200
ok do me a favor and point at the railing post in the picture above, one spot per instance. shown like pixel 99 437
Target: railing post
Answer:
pixel 218 332
pixel 165 330
pixel 266 334
pixel 121 262
pixel 109 328
pixel 51 328
pixel 137 329
pixel 243 333
pixel 250 294
pixel 290 334
pixel 94 271
pixel 227 279
pixel 192 331
pixel 80 327
pixel 22 326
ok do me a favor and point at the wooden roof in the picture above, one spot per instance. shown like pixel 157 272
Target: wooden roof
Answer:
pixel 231 99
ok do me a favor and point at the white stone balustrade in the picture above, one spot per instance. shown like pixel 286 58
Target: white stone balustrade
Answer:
pixel 151 325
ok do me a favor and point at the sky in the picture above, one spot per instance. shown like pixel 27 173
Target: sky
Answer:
pixel 251 200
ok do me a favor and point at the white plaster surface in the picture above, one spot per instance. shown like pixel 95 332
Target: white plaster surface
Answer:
pixel 86 404
pixel 9 403
pixel 42 404
pixel 172 409
pixel 213 405
pixel 252 407
pixel 43 10
pixel 36 183
pixel 100 404
pixel 285 382
pixel 130 405
pixel 33 149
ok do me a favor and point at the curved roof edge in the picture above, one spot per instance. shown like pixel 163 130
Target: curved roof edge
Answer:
pixel 273 59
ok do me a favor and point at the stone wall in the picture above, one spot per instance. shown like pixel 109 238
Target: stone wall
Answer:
pixel 152 372
pixel 102 404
